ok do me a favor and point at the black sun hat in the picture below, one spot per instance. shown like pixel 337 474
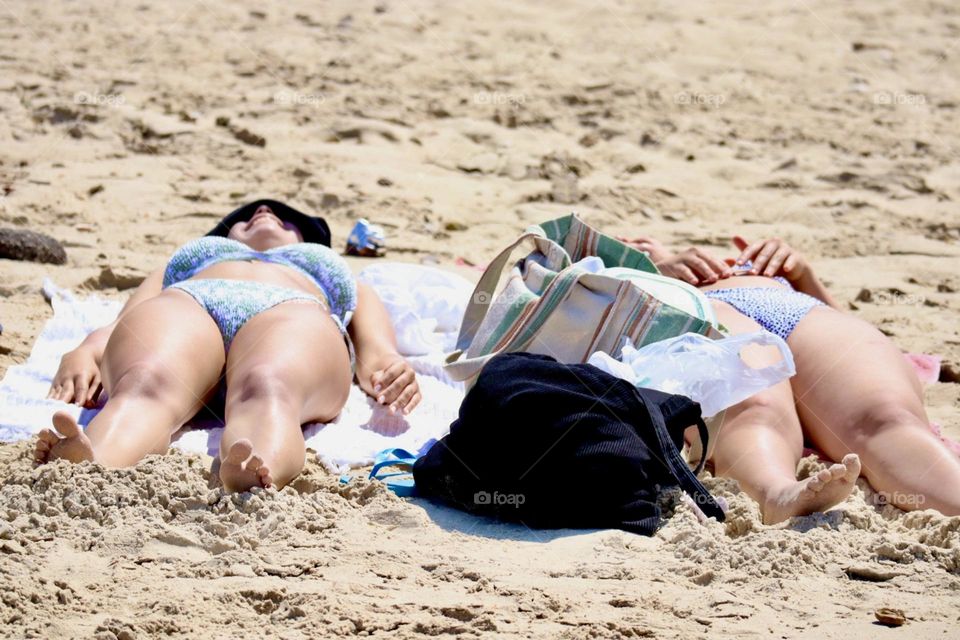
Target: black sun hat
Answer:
pixel 312 228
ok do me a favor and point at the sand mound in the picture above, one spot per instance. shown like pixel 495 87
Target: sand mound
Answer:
pixel 158 550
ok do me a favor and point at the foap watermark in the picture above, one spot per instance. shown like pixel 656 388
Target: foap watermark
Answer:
pixel 899 98
pixel 507 296
pixel 499 499
pixel 897 299
pixel 499 98
pixel 898 499
pixel 298 98
pixel 99 99
pixel 699 99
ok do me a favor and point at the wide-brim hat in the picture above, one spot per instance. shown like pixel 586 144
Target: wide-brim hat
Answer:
pixel 312 228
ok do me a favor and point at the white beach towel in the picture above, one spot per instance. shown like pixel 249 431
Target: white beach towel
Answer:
pixel 425 305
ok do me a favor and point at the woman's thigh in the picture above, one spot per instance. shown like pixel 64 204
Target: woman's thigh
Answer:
pixel 774 405
pixel 849 375
pixel 169 339
pixel 295 351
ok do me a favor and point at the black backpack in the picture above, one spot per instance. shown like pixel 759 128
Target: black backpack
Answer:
pixel 555 445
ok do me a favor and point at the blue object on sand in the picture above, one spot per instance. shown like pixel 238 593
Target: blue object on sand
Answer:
pixel 366 239
pixel 401 482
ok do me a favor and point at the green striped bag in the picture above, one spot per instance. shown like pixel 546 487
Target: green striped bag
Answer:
pixel 553 307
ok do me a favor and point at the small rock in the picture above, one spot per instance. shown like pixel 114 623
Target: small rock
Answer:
pixel 589 139
pixel 870 573
pixel 455 226
pixel 242 570
pixel 385 182
pixel 31 246
pixel 329 200
pixel 636 168
pixel 949 373
pixel 92 191
pixel 223 121
pixel 248 137
pixel 120 279
pixel 865 295
pixel 11 547
pixel 486 162
pixel 890 617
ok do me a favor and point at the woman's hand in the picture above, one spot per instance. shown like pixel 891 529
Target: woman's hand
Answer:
pixel 651 246
pixel 78 378
pixel 772 257
pixel 391 381
pixel 694 266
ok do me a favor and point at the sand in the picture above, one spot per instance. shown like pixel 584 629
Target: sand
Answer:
pixel 130 128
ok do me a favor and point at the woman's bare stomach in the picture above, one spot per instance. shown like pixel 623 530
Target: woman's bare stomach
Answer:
pixel 265 272
pixel 752 282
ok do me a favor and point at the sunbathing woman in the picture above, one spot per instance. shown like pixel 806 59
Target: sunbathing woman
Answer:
pixel 269 309
pixel 854 396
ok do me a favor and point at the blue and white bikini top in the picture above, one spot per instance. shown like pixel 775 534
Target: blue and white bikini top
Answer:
pixel 319 263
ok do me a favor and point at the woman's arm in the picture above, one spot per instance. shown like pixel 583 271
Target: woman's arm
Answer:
pixel 381 370
pixel 78 377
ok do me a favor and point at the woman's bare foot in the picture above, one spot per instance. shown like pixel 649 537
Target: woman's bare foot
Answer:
pixel 816 493
pixel 68 442
pixel 241 471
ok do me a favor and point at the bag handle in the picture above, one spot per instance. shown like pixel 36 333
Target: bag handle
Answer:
pixel 687 479
pixel 483 294
pixel 565 282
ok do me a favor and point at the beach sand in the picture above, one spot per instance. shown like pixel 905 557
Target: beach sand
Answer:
pixel 129 128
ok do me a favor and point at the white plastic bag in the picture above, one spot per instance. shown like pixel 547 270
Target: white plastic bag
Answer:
pixel 708 371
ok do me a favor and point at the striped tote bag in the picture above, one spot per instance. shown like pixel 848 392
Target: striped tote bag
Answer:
pixel 552 306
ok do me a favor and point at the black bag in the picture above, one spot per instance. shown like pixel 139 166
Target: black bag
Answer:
pixel 555 445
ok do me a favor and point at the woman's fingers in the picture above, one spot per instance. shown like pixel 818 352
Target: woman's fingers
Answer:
pixel 414 401
pixel 718 266
pixel 396 378
pixel 763 257
pixel 94 389
pixel 700 267
pixel 791 263
pixel 740 243
pixel 66 391
pixel 683 272
pixel 402 403
pixel 80 386
pixel 773 267
pixel 749 252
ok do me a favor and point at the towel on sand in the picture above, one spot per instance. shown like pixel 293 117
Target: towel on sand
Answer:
pixel 422 302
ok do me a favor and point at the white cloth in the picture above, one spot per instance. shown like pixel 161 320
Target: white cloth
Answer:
pixel 425 304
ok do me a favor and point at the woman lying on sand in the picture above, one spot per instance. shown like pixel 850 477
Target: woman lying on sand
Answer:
pixel 854 396
pixel 268 308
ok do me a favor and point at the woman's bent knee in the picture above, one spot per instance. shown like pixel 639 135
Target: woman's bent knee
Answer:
pixel 147 379
pixel 263 382
pixel 879 417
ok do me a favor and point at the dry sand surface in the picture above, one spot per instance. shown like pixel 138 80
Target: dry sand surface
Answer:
pixel 128 128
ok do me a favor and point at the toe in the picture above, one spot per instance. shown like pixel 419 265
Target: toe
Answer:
pixel 266 479
pixel 65 425
pixel 254 464
pixel 837 471
pixel 851 463
pixel 48 437
pixel 239 451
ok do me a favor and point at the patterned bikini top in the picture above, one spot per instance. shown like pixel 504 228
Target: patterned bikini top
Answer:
pixel 319 263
